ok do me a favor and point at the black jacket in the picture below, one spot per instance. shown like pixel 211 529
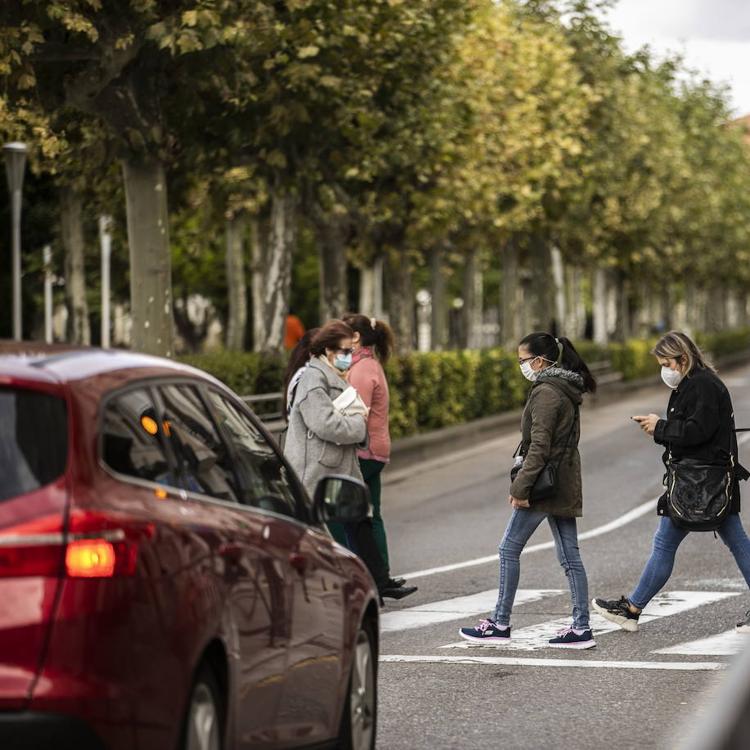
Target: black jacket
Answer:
pixel 700 425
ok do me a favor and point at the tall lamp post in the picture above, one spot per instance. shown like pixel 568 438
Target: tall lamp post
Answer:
pixel 105 239
pixel 15 164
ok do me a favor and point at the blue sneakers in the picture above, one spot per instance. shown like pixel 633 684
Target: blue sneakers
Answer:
pixel 487 631
pixel 569 638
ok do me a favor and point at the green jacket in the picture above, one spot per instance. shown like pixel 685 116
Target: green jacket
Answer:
pixel 546 424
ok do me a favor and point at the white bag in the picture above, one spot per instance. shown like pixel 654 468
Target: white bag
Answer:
pixel 349 403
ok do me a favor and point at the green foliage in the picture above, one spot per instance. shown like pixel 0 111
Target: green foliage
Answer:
pixel 633 358
pixel 725 343
pixel 245 373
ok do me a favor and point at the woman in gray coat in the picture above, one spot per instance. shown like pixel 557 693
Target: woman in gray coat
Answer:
pixel 321 440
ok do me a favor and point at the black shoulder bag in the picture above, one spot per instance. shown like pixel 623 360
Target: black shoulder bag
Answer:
pixel 699 494
pixel 545 485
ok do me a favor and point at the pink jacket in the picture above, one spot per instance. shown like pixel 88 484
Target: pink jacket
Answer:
pixel 368 377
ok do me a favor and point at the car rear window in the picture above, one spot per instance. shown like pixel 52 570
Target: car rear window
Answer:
pixel 33 440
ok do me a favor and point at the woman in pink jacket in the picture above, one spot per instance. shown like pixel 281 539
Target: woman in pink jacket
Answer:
pixel 372 345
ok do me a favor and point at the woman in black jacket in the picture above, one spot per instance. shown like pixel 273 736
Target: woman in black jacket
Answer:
pixel 699 425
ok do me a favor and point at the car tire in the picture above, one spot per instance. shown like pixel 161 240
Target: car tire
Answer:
pixel 359 721
pixel 202 727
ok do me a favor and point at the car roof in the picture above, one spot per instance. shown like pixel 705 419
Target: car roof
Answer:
pixel 63 363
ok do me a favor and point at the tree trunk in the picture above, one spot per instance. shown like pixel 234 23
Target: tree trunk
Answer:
pixel 332 233
pixel 601 327
pixel 371 289
pixel 150 261
pixel 473 301
pixel 236 285
pixel 400 288
pixel 439 322
pixel 577 308
pixel 716 309
pixel 272 242
pixel 542 308
pixel 71 220
pixel 623 327
pixel 558 278
pixel 510 320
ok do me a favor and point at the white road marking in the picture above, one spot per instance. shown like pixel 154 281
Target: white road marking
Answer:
pixel 728 643
pixel 535 637
pixel 455 609
pixel 512 661
pixel 616 523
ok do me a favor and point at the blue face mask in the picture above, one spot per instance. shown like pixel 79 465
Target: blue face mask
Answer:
pixel 342 362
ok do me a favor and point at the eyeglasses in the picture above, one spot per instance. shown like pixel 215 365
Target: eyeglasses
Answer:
pixel 526 359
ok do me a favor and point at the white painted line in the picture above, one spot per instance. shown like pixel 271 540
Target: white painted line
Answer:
pixel 618 522
pixel 728 643
pixel 513 661
pixel 455 609
pixel 535 637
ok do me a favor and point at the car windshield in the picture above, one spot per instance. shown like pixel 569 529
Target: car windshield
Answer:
pixel 33 440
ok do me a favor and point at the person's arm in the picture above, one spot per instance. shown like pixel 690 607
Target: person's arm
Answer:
pixel 363 377
pixel 700 422
pixel 545 406
pixel 321 418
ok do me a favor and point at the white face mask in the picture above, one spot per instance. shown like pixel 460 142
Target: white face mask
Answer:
pixel 671 377
pixel 528 371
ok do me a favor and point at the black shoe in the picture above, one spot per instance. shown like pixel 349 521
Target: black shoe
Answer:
pixel 488 631
pixel 743 626
pixel 617 611
pixel 397 592
pixel 568 638
pixel 394 583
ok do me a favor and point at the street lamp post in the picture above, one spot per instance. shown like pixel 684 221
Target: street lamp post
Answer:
pixel 49 279
pixel 105 240
pixel 15 164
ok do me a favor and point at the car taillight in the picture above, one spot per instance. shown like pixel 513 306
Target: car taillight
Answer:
pixel 94 546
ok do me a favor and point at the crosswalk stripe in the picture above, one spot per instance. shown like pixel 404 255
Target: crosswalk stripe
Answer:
pixel 455 609
pixel 666 604
pixel 509 661
pixel 727 643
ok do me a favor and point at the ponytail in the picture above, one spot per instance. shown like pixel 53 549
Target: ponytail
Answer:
pixel 298 357
pixel 373 333
pixel 572 360
pixel 560 352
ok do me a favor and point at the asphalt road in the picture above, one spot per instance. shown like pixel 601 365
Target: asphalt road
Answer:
pixel 525 695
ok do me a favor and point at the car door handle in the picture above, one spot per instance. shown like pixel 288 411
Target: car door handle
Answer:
pixel 298 562
pixel 231 552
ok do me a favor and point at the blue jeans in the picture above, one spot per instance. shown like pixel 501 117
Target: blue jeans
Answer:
pixel 666 541
pixel 522 524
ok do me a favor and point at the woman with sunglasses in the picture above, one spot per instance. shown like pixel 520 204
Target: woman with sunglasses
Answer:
pixel 321 440
pixel 550 429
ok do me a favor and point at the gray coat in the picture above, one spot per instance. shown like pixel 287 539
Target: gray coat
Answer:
pixel 320 440
pixel 549 433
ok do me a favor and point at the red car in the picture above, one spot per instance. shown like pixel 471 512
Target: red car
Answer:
pixel 165 582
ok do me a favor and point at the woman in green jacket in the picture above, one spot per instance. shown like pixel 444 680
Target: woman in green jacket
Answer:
pixel 550 429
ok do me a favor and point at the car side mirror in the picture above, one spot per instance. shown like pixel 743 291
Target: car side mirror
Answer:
pixel 342 499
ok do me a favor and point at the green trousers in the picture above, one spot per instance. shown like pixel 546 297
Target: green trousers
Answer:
pixel 371 471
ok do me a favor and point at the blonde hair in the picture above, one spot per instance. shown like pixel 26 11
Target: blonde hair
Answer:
pixel 679 346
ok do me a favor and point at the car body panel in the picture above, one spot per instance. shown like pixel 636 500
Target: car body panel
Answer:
pixel 210 575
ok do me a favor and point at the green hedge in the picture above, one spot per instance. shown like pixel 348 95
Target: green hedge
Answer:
pixel 439 389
